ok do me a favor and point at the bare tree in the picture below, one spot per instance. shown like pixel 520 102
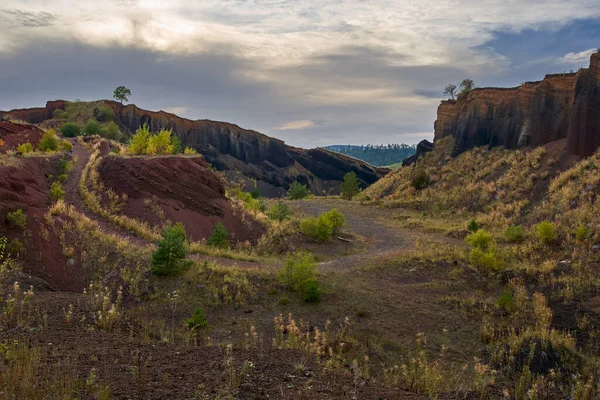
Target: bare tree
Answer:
pixel 450 90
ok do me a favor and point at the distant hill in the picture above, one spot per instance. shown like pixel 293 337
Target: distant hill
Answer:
pixel 378 155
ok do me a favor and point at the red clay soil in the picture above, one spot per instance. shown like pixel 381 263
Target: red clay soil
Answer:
pixel 184 188
pixel 14 135
pixel 26 186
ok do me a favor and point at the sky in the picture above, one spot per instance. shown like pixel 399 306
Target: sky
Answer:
pixel 310 72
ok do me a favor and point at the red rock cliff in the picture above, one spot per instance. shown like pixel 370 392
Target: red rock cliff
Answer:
pixel 535 113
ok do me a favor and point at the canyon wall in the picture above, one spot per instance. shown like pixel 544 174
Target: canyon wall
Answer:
pixel 559 106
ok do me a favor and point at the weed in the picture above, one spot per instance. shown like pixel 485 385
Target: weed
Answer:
pixel 17 219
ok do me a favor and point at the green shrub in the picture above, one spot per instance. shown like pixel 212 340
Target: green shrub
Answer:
pixel 582 232
pixel 190 150
pixel 62 178
pixel 349 187
pixel 481 239
pixel 336 218
pixel 255 193
pixel 514 233
pixel 65 146
pixel 25 148
pixel 283 301
pixel 15 248
pixel 104 114
pixel 169 257
pixel 56 191
pixel 546 232
pixel 198 320
pixel 311 291
pixel 279 212
pixel 70 129
pixel 250 202
pixel 176 147
pixel 488 260
pixel 17 219
pixel 60 114
pixel 299 274
pixel 506 300
pixel 420 179
pixel 297 191
pixel 473 226
pixel 48 142
pixel 218 238
pixel 111 131
pixel 92 127
pixel 139 141
pixel 319 229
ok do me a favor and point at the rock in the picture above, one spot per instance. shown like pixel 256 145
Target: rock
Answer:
pixel 424 146
pixel 596 247
pixel 561 106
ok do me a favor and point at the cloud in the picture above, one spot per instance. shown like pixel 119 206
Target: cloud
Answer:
pixel 581 58
pixel 295 125
pixel 30 19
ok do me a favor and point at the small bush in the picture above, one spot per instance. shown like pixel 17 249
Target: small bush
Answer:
pixel 514 233
pixel 506 300
pixel 319 229
pixel 488 260
pixel 60 114
pixel 218 238
pixel 420 179
pixel 169 258
pixel 481 239
pixel 104 114
pixel 65 146
pixel 546 232
pixel 25 148
pixel 349 187
pixel 473 226
pixel 255 193
pixel 56 191
pixel 297 191
pixel 337 220
pixel 582 232
pixel 92 127
pixel 17 219
pixel 111 131
pixel 279 212
pixel 70 129
pixel 139 141
pixel 48 142
pixel 283 301
pixel 15 248
pixel 198 320
pixel 311 291
pixel 190 150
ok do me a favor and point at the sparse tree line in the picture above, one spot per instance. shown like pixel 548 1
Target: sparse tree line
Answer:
pixel 461 91
pixel 378 155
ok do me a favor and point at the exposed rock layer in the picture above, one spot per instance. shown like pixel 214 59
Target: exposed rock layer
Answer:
pixel 231 148
pixel 424 146
pixel 535 113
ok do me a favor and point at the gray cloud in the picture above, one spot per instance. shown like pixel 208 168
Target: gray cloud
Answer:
pixel 29 19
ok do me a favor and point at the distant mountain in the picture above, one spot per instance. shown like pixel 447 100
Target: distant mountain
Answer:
pixel 378 155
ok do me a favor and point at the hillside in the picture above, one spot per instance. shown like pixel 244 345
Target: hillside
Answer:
pixel 378 155
pixel 561 106
pixel 269 163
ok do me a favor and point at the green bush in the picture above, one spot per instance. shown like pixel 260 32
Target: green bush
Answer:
pixel 218 238
pixel 514 233
pixel 582 232
pixel 15 248
pixel 488 260
pixel 92 127
pixel 70 129
pixel 60 114
pixel 506 300
pixel 190 150
pixel 56 191
pixel 65 146
pixel 198 320
pixel 546 232
pixel 336 218
pixel 25 148
pixel 319 229
pixel 297 191
pixel 349 187
pixel 104 114
pixel 481 239
pixel 279 212
pixel 111 131
pixel 283 301
pixel 169 257
pixel 255 193
pixel 420 179
pixel 139 141
pixel 473 226
pixel 17 219
pixel 250 202
pixel 48 142
pixel 299 274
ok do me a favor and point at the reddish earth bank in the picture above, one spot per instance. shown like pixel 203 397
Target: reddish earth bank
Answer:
pixel 26 186
pixel 535 113
pixel 184 189
pixel 13 135
pixel 272 163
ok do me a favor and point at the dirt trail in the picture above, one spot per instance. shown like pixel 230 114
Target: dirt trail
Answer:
pixel 363 221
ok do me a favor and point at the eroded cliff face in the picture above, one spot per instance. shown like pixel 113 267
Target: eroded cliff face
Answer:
pixel 272 163
pixel 535 113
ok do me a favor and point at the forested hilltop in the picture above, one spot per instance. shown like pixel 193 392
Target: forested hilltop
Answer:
pixel 378 155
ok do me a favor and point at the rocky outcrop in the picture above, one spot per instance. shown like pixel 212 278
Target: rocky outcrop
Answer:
pixel 559 106
pixel 424 146
pixel 269 161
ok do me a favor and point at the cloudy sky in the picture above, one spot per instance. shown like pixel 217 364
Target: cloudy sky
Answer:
pixel 311 72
